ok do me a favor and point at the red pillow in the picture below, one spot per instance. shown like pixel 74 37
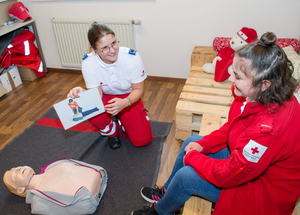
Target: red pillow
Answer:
pixel 222 42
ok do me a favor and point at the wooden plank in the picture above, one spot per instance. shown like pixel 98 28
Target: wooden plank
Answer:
pixel 201 108
pixel 197 60
pixel 201 55
pixel 207 90
pixel 297 208
pixel 198 81
pixel 196 68
pixel 197 206
pixel 182 134
pixel 186 120
pixel 203 50
pixel 208 99
pixel 198 72
pixel 210 123
pixel 190 128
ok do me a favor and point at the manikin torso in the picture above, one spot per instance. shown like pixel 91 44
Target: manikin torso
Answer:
pixel 67 178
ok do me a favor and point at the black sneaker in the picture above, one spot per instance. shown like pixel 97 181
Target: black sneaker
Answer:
pixel 114 142
pixel 146 211
pixel 152 195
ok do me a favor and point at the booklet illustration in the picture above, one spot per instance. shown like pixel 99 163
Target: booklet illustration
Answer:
pixel 73 111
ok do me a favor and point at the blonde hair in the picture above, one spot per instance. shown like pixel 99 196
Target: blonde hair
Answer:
pixel 12 188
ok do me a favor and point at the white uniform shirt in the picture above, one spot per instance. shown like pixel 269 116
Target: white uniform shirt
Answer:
pixel 116 78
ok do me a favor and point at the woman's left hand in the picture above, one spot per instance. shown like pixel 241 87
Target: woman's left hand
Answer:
pixel 116 105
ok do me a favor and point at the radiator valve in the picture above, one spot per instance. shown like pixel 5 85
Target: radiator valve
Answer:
pixel 137 22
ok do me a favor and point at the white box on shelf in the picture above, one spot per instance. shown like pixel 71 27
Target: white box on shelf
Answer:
pixel 4 79
pixel 10 78
pixel 15 76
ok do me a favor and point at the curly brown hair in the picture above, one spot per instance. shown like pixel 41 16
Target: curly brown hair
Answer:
pixel 265 60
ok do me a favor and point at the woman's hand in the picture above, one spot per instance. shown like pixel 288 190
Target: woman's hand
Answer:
pixel 115 105
pixel 74 92
pixel 193 146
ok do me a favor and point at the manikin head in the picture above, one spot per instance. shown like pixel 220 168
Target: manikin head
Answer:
pixel 17 179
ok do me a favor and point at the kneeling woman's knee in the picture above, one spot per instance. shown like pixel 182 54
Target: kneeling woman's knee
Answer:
pixel 141 141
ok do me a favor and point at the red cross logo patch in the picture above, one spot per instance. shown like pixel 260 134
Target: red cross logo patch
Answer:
pixel 253 151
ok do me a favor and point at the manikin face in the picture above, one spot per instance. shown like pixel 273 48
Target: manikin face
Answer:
pixel 108 49
pixel 242 83
pixel 19 176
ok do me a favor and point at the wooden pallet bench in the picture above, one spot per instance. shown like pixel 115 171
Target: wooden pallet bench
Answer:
pixel 201 95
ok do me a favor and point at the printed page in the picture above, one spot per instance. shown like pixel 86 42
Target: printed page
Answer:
pixel 74 111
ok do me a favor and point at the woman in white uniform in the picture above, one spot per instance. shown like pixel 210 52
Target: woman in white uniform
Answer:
pixel 118 73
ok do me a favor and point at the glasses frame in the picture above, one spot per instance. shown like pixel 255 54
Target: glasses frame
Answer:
pixel 106 49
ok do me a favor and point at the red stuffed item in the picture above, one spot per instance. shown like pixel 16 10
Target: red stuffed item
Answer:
pixel 225 56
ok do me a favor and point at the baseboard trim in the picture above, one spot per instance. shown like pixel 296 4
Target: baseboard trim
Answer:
pixel 74 71
pixel 150 78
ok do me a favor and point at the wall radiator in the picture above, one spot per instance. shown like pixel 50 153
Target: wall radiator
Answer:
pixel 72 42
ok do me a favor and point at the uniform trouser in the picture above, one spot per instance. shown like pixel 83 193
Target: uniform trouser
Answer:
pixel 134 121
pixel 185 182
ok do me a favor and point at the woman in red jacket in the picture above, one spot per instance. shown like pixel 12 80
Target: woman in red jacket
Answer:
pixel 251 165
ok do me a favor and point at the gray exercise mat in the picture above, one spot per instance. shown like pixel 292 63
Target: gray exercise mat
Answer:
pixel 129 168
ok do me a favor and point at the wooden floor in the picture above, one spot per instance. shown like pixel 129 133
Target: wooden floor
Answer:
pixel 29 101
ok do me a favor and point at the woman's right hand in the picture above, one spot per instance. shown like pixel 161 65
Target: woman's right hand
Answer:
pixel 193 146
pixel 74 92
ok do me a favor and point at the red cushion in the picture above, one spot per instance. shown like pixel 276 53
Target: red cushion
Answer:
pixel 222 42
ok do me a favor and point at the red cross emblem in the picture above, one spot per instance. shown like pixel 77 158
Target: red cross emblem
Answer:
pixel 254 150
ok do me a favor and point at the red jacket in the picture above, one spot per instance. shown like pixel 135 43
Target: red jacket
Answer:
pixel 262 174
pixel 23 52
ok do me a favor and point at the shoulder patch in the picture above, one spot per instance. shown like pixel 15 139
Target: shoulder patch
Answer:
pixel 132 51
pixel 253 151
pixel 85 56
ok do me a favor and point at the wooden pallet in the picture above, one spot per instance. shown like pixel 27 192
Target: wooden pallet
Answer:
pixel 201 95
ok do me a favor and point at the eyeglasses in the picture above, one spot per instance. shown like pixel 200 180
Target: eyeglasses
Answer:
pixel 113 45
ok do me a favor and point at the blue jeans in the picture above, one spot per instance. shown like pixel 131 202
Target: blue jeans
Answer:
pixel 185 182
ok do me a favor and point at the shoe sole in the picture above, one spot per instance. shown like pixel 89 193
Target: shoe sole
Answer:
pixel 147 199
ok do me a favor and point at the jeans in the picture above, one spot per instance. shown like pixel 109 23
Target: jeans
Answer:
pixel 185 182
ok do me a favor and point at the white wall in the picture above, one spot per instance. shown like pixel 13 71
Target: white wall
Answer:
pixel 171 28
